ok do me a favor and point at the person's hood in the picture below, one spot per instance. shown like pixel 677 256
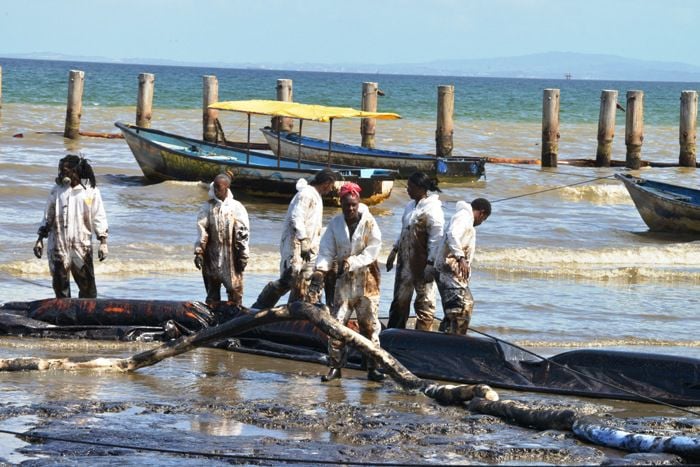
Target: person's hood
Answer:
pixel 463 205
pixel 301 184
pixel 430 201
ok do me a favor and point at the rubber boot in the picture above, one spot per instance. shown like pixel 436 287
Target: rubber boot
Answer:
pixel 456 322
pixel 375 375
pixel 424 325
pixel 333 373
pixel 269 296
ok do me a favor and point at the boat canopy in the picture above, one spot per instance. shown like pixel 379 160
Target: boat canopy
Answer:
pixel 319 113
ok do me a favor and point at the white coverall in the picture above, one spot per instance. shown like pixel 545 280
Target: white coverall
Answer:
pixel 71 216
pixel 357 289
pixel 303 220
pixel 459 241
pixel 421 231
pixel 224 231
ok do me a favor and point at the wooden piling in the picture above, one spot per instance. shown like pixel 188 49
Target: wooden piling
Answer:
pixel 369 104
pixel 634 129
pixel 445 126
pixel 688 129
pixel 550 127
pixel 285 94
pixel 144 103
pixel 210 95
pixel 76 80
pixel 606 127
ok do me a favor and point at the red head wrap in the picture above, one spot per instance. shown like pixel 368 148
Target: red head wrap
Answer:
pixel 350 188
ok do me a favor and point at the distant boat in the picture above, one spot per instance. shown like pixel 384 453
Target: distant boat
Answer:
pixel 166 156
pixel 289 144
pixel 664 207
pixel 294 145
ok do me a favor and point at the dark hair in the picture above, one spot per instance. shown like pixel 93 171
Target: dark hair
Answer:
pixel 323 176
pixel 483 205
pixel 421 180
pixel 81 166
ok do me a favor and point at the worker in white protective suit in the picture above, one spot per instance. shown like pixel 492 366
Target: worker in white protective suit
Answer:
pixel 221 251
pixel 301 234
pixel 421 230
pixel 453 264
pixel 73 213
pixel 353 241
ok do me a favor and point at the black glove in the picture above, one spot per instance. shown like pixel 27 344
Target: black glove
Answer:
pixel 305 247
pixel 38 248
pixel 241 264
pixel 198 261
pixel 343 267
pixel 316 287
pixel 390 259
pixel 102 252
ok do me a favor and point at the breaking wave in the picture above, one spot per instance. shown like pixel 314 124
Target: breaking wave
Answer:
pixel 672 263
pixel 597 194
pixel 677 262
pixel 263 263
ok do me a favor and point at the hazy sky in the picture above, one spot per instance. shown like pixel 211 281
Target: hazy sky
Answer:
pixel 350 31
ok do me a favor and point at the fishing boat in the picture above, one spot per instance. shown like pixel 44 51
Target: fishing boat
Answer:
pixel 664 207
pixel 643 377
pixel 166 156
pixel 447 168
pixel 295 145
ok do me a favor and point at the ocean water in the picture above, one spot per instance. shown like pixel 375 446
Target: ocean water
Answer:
pixel 573 267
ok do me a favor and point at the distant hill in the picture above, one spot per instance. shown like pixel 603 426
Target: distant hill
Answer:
pixel 558 64
pixel 550 65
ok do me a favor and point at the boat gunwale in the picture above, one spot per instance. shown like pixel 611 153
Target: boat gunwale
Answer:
pixel 632 181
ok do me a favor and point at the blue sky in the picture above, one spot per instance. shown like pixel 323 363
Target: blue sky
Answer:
pixel 357 31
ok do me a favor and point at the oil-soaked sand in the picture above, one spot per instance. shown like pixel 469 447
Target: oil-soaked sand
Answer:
pixel 256 410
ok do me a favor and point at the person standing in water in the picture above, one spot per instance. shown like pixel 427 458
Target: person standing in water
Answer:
pixel 453 264
pixel 352 241
pixel 301 234
pixel 416 248
pixel 73 213
pixel 221 251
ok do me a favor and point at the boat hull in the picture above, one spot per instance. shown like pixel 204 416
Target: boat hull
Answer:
pixel 164 156
pixel 664 207
pixel 312 149
pixel 462 359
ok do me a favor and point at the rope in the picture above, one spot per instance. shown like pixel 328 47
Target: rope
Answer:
pixel 212 455
pixel 571 370
pixel 588 180
pixel 593 378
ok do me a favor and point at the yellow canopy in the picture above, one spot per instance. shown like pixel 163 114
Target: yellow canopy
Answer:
pixel 319 113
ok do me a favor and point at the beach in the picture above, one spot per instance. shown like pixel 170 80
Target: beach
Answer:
pixel 563 269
